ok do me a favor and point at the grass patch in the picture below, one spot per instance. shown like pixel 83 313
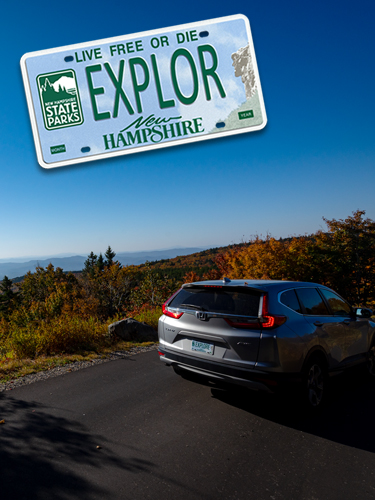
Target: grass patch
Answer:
pixel 11 369
pixel 149 315
pixel 30 344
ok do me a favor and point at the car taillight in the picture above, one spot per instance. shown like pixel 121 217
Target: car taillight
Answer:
pixel 240 323
pixel 270 320
pixel 170 313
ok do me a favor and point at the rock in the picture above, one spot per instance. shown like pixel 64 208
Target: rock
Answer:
pixel 243 67
pixel 130 329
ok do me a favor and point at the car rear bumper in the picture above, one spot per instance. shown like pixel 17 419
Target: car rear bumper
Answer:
pixel 223 373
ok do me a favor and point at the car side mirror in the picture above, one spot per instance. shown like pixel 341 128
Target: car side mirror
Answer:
pixel 363 312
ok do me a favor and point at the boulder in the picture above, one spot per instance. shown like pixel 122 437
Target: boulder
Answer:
pixel 130 329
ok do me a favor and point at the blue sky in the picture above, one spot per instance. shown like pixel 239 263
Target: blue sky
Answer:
pixel 314 158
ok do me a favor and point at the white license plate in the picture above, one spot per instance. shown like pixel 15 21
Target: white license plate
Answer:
pixel 143 91
pixel 202 347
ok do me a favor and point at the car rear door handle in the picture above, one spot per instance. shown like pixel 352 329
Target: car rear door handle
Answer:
pixel 318 323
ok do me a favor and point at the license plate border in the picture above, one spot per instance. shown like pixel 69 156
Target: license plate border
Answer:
pixel 36 124
pixel 204 351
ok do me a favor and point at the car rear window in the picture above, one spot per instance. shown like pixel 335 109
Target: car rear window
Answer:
pixel 219 301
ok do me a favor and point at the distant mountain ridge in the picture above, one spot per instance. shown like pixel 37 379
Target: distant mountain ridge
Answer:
pixel 76 262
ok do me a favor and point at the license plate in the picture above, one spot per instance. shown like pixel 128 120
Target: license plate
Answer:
pixel 202 347
pixel 144 91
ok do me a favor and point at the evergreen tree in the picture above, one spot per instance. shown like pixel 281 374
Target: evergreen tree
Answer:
pixel 109 255
pixel 100 263
pixel 90 264
pixel 7 297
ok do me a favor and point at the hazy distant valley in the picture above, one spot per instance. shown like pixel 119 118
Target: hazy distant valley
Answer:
pixel 14 269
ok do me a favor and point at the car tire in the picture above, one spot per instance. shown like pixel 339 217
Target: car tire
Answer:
pixel 315 383
pixel 370 362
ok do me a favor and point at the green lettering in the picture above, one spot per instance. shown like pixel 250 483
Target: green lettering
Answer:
pixel 137 86
pixel 178 127
pixel 76 56
pixel 121 138
pixel 97 53
pixel 119 90
pixel 163 104
pixel 138 45
pixel 193 36
pixel 197 125
pixel 206 72
pixel 94 92
pixel 156 132
pixel 169 129
pixel 180 96
pixel 129 47
pixel 109 144
pixel 133 139
pixel 187 126
pixel 145 133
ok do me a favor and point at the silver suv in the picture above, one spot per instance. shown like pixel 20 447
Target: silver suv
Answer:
pixel 264 333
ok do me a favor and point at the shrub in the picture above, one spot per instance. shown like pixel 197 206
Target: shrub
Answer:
pixel 147 314
pixel 65 334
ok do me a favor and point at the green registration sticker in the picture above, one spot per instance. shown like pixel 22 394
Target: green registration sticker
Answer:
pixel 242 115
pixel 58 149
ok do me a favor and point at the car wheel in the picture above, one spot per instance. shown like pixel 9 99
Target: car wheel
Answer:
pixel 315 384
pixel 370 363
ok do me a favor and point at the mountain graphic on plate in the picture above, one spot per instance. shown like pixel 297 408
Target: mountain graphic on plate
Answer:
pixel 63 87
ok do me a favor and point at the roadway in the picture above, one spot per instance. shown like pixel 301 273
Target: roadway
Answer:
pixel 132 429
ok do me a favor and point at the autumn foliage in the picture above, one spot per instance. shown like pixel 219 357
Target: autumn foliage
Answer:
pixel 51 311
pixel 342 258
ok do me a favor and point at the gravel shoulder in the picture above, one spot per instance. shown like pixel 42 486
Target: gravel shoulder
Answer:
pixel 73 367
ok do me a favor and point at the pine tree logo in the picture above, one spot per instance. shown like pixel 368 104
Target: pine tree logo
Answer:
pixel 59 98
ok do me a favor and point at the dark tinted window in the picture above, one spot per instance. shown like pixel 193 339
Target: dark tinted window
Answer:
pixel 289 299
pixel 337 304
pixel 218 300
pixel 312 301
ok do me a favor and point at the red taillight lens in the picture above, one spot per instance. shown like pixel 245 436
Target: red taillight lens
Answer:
pixel 237 323
pixel 169 313
pixel 273 321
pixel 270 320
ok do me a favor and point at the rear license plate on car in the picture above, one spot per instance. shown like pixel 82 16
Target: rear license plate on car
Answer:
pixel 202 347
pixel 143 91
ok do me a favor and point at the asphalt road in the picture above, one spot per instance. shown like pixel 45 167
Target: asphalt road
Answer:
pixel 160 436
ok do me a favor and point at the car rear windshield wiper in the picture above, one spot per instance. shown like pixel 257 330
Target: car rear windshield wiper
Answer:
pixel 192 306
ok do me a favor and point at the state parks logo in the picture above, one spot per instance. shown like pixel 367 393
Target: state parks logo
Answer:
pixel 59 98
